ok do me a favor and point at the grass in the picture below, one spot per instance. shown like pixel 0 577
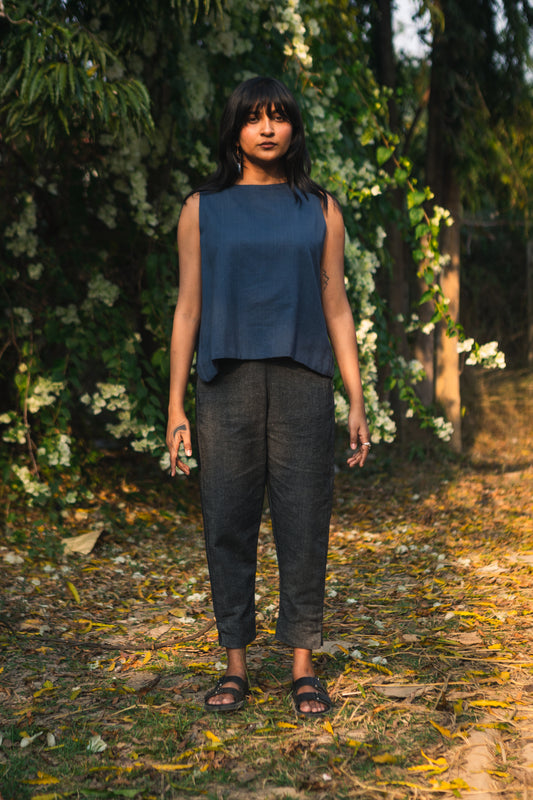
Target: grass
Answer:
pixel 427 626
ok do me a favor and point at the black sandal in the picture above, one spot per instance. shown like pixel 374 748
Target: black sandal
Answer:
pixel 221 688
pixel 320 695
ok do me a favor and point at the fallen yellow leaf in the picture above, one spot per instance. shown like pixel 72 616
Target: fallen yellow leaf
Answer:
pixel 384 758
pixel 446 732
pixel 489 704
pixel 212 737
pixel 46 687
pixel 74 592
pixel 42 779
pixel 53 796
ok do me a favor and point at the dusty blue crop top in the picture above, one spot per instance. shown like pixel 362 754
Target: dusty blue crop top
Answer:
pixel 261 293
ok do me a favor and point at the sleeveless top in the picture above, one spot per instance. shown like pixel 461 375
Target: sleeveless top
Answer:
pixel 261 291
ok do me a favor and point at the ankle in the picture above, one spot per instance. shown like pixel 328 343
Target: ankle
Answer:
pixel 236 661
pixel 302 663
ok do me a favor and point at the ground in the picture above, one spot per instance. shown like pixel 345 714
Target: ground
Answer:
pixel 427 653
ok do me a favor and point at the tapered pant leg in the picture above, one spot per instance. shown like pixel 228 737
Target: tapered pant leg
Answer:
pixel 231 414
pixel 300 472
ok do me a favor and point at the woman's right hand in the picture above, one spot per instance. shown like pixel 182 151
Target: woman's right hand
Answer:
pixel 178 433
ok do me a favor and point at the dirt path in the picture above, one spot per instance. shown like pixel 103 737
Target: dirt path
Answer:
pixel 428 651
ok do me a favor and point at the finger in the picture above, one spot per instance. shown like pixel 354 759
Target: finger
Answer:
pixel 359 457
pixel 173 452
pixel 364 450
pixel 184 439
pixel 183 467
pixel 187 447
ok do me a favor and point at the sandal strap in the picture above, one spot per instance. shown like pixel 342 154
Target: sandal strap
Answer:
pixel 242 682
pixel 307 697
pixel 221 688
pixel 305 681
pixel 320 694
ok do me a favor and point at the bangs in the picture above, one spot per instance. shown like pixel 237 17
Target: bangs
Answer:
pixel 271 109
pixel 266 93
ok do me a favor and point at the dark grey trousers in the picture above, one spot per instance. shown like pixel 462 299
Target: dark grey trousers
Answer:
pixel 267 424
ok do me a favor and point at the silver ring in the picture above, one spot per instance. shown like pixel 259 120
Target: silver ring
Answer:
pixel 366 444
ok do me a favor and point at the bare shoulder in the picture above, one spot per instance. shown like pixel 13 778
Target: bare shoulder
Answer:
pixel 333 217
pixel 189 221
pixel 191 207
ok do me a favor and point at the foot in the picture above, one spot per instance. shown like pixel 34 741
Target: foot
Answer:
pixel 310 697
pixel 230 686
pixel 303 668
pixel 236 668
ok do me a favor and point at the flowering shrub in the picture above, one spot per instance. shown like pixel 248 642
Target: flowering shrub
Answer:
pixel 90 277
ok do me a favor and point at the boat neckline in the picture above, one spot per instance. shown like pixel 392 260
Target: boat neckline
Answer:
pixel 258 185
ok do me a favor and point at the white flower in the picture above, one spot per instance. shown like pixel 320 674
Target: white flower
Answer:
pixel 102 290
pixel 465 346
pixel 25 315
pixel 35 271
pixel 32 487
pixel 44 393
pixel 443 429
pixel 68 314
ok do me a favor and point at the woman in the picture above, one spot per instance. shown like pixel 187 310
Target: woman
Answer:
pixel 262 298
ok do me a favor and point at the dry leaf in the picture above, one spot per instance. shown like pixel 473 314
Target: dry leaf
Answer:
pixel 96 744
pixel 27 740
pixel 403 690
pixel 82 544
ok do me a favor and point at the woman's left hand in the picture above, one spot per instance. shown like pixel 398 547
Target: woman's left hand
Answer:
pixel 359 438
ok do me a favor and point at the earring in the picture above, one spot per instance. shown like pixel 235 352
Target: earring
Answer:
pixel 238 159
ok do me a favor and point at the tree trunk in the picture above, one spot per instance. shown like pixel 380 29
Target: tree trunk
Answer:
pixel 397 288
pixel 447 373
pixel 439 353
pixel 530 303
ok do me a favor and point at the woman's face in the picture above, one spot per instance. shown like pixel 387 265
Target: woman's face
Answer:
pixel 265 136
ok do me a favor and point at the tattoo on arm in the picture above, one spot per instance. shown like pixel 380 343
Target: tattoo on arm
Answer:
pixel 179 428
pixel 324 278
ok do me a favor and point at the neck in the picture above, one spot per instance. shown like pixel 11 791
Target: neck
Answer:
pixel 253 174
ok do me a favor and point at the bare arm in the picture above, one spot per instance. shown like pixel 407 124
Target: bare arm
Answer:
pixel 341 330
pixel 184 331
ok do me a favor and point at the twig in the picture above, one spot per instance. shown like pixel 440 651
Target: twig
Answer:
pixel 12 21
pixel 442 693
pixel 44 641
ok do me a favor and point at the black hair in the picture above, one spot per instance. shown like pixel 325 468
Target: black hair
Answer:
pixel 254 95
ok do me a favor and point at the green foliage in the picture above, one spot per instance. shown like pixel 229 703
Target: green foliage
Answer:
pixel 58 78
pixel 109 117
